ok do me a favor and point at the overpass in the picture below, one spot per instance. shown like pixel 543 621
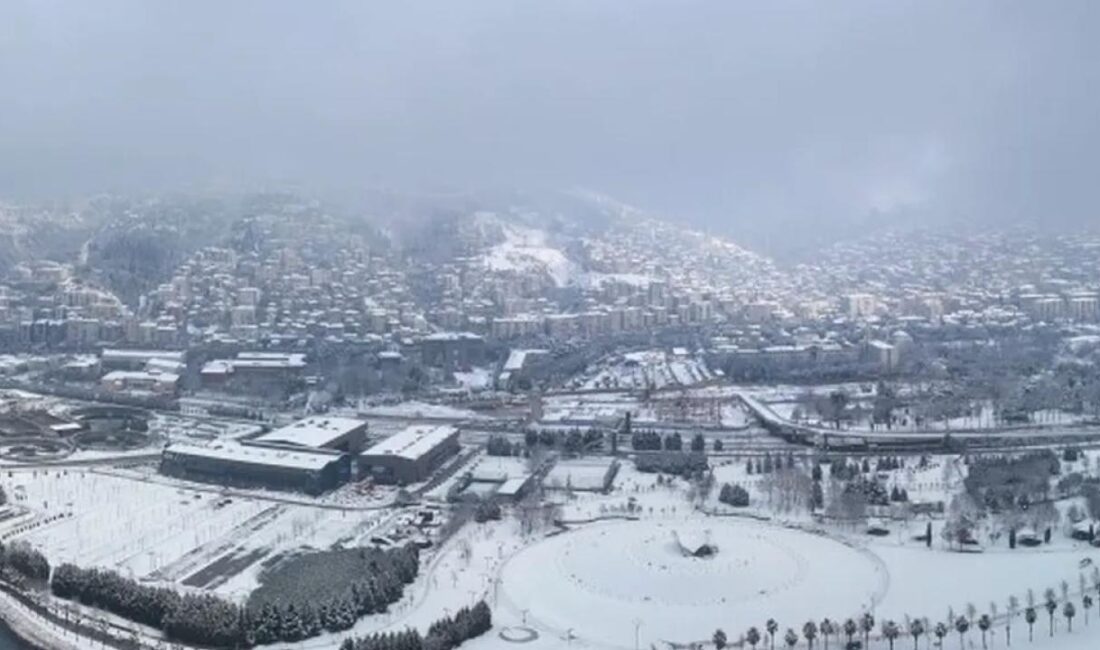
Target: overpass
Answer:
pixel 865 440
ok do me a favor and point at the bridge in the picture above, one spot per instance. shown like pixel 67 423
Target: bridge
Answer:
pixel 886 440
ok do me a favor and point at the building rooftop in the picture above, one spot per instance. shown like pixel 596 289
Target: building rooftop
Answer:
pixel 115 354
pixel 141 375
pixel 453 336
pixel 256 455
pixel 412 442
pixel 314 432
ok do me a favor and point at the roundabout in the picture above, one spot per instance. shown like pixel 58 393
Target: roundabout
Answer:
pixel 518 634
pixel 601 580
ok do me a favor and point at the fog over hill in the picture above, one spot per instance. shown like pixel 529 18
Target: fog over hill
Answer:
pixel 780 124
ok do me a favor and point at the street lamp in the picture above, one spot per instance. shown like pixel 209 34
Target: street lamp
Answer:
pixel 637 627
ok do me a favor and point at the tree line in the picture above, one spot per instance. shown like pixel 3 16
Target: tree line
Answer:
pixel 446 633
pixel 208 620
pixel 1055 604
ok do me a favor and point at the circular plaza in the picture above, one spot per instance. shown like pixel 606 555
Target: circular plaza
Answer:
pixel 680 579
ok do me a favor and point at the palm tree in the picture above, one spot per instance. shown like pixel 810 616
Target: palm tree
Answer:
pixel 1051 604
pixel 1069 611
pixel 827 627
pixel 890 631
pixel 962 625
pixel 984 623
pixel 1030 615
pixel 791 638
pixel 809 630
pixel 772 628
pixel 867 624
pixel 1013 609
pixel 719 639
pixel 916 628
pixel 753 637
pixel 1086 604
pixel 850 628
pixel 940 632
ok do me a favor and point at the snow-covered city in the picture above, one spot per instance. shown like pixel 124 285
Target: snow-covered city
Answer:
pixel 536 325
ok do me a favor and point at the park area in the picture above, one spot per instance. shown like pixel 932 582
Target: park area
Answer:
pixel 601 583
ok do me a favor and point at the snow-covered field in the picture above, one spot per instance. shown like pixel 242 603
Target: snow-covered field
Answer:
pixel 165 532
pixel 526 250
pixel 704 409
pixel 598 580
pixel 414 409
pixel 646 369
pixel 475 379
pixel 578 474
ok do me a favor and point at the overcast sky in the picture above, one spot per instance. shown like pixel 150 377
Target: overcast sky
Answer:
pixel 726 113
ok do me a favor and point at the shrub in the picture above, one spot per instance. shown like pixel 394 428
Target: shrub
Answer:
pixel 733 495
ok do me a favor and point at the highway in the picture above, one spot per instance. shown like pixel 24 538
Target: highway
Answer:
pixel 826 438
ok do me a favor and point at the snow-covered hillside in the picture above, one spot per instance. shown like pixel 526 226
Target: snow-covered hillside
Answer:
pixel 528 250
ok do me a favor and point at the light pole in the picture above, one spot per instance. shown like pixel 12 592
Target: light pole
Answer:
pixel 637 627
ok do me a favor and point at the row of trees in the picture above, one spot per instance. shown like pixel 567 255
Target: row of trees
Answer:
pixel 211 621
pixel 652 441
pixel 25 561
pixel 810 631
pixel 961 624
pixel 203 620
pixel 444 634
pixel 768 464
pixel 678 463
pixel 573 441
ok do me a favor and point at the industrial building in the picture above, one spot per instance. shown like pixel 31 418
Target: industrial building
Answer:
pixel 452 349
pixel 119 381
pixel 320 432
pixel 410 455
pixel 118 359
pixel 311 455
pixel 258 465
pixel 267 374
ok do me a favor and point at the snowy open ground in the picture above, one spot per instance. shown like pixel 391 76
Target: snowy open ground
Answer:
pixel 596 581
pixel 165 532
pixel 585 587
pixel 649 368
pixel 600 578
pixel 703 409
pixel 578 474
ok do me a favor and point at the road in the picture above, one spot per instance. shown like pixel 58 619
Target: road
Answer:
pixel 928 440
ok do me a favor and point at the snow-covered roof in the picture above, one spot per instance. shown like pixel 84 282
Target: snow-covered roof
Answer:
pixel 298 362
pixel 316 431
pixel 141 375
pixel 289 357
pixel 513 486
pixel 217 367
pixel 453 336
pixel 165 365
pixel 114 354
pixel 516 358
pixel 412 442
pixel 256 455
pixel 255 361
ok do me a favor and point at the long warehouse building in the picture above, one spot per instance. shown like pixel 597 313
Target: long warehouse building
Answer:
pixel 258 465
pixel 312 455
pixel 410 455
